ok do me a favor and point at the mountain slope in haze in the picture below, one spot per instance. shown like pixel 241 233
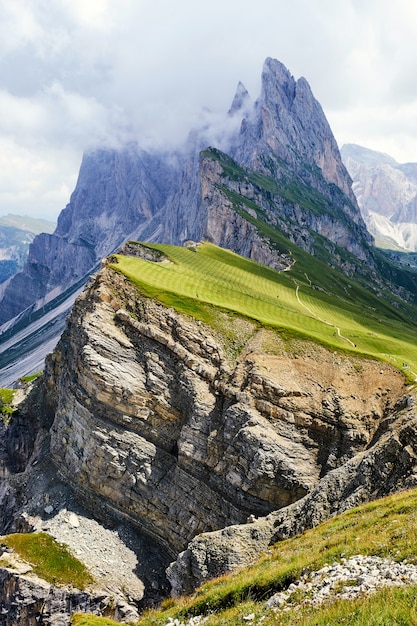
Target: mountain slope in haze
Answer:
pixel 131 193
pixel 387 195
pixel 16 234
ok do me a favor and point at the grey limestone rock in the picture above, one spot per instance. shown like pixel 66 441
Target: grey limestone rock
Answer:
pixel 387 195
pixel 26 599
pixel 147 415
pixel 387 466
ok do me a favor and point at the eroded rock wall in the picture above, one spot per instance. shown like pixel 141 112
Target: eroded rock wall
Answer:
pixel 387 465
pixel 27 600
pixel 161 418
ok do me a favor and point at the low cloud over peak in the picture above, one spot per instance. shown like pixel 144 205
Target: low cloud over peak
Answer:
pixel 77 74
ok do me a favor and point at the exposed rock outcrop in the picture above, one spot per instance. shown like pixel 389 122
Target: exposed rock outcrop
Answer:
pixel 150 415
pixel 387 465
pixel 26 599
pixel 168 424
pixel 288 125
pixel 153 417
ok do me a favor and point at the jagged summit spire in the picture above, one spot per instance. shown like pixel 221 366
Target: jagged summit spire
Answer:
pixel 288 123
pixel 277 69
pixel 240 100
pixel 278 84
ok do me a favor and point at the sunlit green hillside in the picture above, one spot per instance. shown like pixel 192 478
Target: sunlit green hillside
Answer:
pixel 309 299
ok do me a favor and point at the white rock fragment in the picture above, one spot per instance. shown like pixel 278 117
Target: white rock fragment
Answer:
pixel 73 520
pixel 362 574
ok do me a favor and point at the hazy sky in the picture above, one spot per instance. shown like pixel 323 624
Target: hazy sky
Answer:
pixel 79 73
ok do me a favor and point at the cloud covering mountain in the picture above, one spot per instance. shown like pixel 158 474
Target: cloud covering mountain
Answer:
pixel 76 75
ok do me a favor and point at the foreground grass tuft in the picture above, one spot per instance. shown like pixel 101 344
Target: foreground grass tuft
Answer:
pixel 50 560
pixel 30 377
pixel 6 403
pixel 79 619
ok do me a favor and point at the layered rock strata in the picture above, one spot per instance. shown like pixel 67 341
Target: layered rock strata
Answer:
pixel 26 599
pixel 156 417
pixel 386 465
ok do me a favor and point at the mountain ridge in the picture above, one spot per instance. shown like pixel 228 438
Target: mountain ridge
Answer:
pixel 180 423
pixel 211 403
pixel 16 233
pixel 134 194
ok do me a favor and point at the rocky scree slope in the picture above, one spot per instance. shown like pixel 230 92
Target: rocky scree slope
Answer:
pixel 155 417
pixel 132 193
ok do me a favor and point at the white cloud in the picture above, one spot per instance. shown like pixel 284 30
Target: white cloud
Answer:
pixel 35 182
pixel 76 73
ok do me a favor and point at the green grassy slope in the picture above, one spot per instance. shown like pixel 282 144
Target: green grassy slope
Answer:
pixel 277 195
pixel 310 299
pixel 49 559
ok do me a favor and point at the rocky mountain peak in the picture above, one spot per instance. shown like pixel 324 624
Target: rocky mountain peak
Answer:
pixel 241 99
pixel 132 193
pixel 278 84
pixel 288 124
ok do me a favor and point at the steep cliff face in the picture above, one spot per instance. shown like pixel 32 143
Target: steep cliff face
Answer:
pixel 16 233
pixel 116 197
pixel 386 465
pixel 232 195
pixel 287 124
pixel 157 419
pixel 185 430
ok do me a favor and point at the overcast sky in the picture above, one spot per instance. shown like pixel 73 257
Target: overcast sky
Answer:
pixel 75 74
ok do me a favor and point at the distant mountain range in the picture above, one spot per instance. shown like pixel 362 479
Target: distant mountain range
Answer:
pixel 16 234
pixel 387 195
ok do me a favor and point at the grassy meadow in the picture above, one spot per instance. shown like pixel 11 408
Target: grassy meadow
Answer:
pixel 310 299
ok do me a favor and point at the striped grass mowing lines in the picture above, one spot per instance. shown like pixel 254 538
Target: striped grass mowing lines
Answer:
pixel 241 291
pixel 281 312
pixel 194 281
pixel 229 268
pixel 215 282
pixel 275 305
